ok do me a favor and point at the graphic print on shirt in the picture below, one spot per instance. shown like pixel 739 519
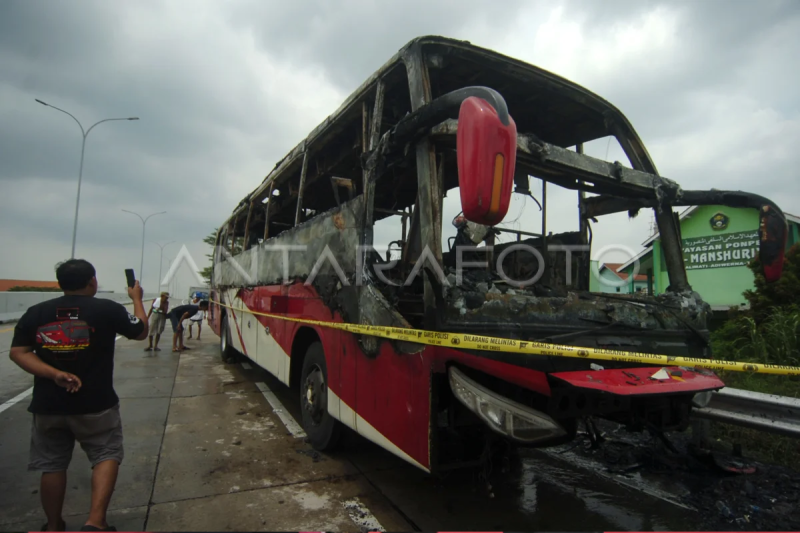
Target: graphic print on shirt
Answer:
pixel 66 337
pixel 67 313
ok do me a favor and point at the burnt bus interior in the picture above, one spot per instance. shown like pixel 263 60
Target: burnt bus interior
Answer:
pixel 350 155
pixel 334 174
pixel 330 170
pixel 355 154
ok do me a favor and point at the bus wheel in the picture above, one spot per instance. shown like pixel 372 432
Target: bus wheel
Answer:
pixel 322 429
pixel 226 351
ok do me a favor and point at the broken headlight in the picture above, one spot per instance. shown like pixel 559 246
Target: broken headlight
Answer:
pixel 502 415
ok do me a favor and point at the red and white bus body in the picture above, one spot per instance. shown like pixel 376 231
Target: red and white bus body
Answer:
pixel 389 398
pixel 392 148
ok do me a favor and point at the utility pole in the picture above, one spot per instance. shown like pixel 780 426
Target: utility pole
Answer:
pixel 84 133
pixel 161 261
pixel 144 223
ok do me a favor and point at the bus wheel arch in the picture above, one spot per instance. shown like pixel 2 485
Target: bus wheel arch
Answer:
pixel 304 337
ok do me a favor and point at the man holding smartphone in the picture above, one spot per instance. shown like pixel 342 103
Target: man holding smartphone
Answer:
pixel 68 345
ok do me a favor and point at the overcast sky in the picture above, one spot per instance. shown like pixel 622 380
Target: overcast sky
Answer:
pixel 225 89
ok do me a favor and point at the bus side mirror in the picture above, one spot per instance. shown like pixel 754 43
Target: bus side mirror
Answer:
pixel 772 235
pixel 487 152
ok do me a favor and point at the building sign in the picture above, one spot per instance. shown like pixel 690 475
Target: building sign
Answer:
pixel 717 251
pixel 719 221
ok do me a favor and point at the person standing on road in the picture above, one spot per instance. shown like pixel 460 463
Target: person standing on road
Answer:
pixel 157 317
pixel 177 316
pixel 68 345
pixel 196 319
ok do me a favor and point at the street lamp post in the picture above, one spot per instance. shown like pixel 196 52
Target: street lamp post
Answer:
pixel 173 284
pixel 84 133
pixel 161 261
pixel 144 222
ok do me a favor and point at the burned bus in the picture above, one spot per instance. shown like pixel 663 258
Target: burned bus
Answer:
pixel 300 252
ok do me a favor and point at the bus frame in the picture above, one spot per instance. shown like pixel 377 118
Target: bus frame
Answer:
pixel 390 150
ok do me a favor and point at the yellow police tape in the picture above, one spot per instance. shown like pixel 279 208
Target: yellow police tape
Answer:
pixel 466 341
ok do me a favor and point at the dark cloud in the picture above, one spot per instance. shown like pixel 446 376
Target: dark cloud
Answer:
pixel 351 40
pixel 224 90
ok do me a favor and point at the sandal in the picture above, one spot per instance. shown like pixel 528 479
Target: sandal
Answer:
pixel 149 349
pixel 87 527
pixel 157 349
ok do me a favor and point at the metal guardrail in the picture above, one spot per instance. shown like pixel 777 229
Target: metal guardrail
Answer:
pixel 764 412
pixel 14 304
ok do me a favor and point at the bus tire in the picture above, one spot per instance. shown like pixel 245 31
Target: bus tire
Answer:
pixel 322 429
pixel 226 351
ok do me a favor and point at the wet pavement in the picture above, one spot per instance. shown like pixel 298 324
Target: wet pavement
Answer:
pixel 206 451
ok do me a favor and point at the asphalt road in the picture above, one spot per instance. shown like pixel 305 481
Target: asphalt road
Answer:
pixel 205 450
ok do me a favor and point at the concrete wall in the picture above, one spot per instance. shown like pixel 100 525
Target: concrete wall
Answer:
pixel 14 304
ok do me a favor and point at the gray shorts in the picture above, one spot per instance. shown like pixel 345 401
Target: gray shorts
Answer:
pixel 53 439
pixel 157 323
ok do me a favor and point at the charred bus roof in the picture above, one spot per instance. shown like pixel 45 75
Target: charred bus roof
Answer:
pixel 551 114
pixel 559 111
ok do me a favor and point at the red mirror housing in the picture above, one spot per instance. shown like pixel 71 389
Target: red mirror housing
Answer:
pixel 772 235
pixel 487 154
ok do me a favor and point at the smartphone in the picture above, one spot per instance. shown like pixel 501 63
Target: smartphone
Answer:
pixel 130 276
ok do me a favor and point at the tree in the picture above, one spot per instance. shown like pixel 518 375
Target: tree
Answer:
pixel 780 294
pixel 210 240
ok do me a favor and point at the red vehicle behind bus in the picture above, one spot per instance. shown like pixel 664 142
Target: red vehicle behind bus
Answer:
pixel 440 115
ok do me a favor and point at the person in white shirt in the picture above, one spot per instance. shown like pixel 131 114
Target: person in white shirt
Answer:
pixel 196 319
pixel 157 316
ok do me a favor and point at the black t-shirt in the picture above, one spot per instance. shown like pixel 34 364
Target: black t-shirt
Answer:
pixel 75 334
pixel 179 311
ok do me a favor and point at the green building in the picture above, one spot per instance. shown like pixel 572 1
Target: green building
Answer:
pixel 718 243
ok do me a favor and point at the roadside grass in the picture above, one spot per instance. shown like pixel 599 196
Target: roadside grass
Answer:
pixel 766 383
pixel 776 340
pixel 763 447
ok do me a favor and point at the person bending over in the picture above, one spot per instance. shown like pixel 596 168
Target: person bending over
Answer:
pixel 177 316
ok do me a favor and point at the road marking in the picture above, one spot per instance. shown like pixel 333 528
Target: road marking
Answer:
pixel 361 516
pixel 293 427
pixel 5 330
pixel 246 366
pixel 16 399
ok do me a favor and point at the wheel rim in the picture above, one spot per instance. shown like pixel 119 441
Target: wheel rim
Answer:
pixel 315 397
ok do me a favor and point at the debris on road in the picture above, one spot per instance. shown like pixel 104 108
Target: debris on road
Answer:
pixel 727 491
